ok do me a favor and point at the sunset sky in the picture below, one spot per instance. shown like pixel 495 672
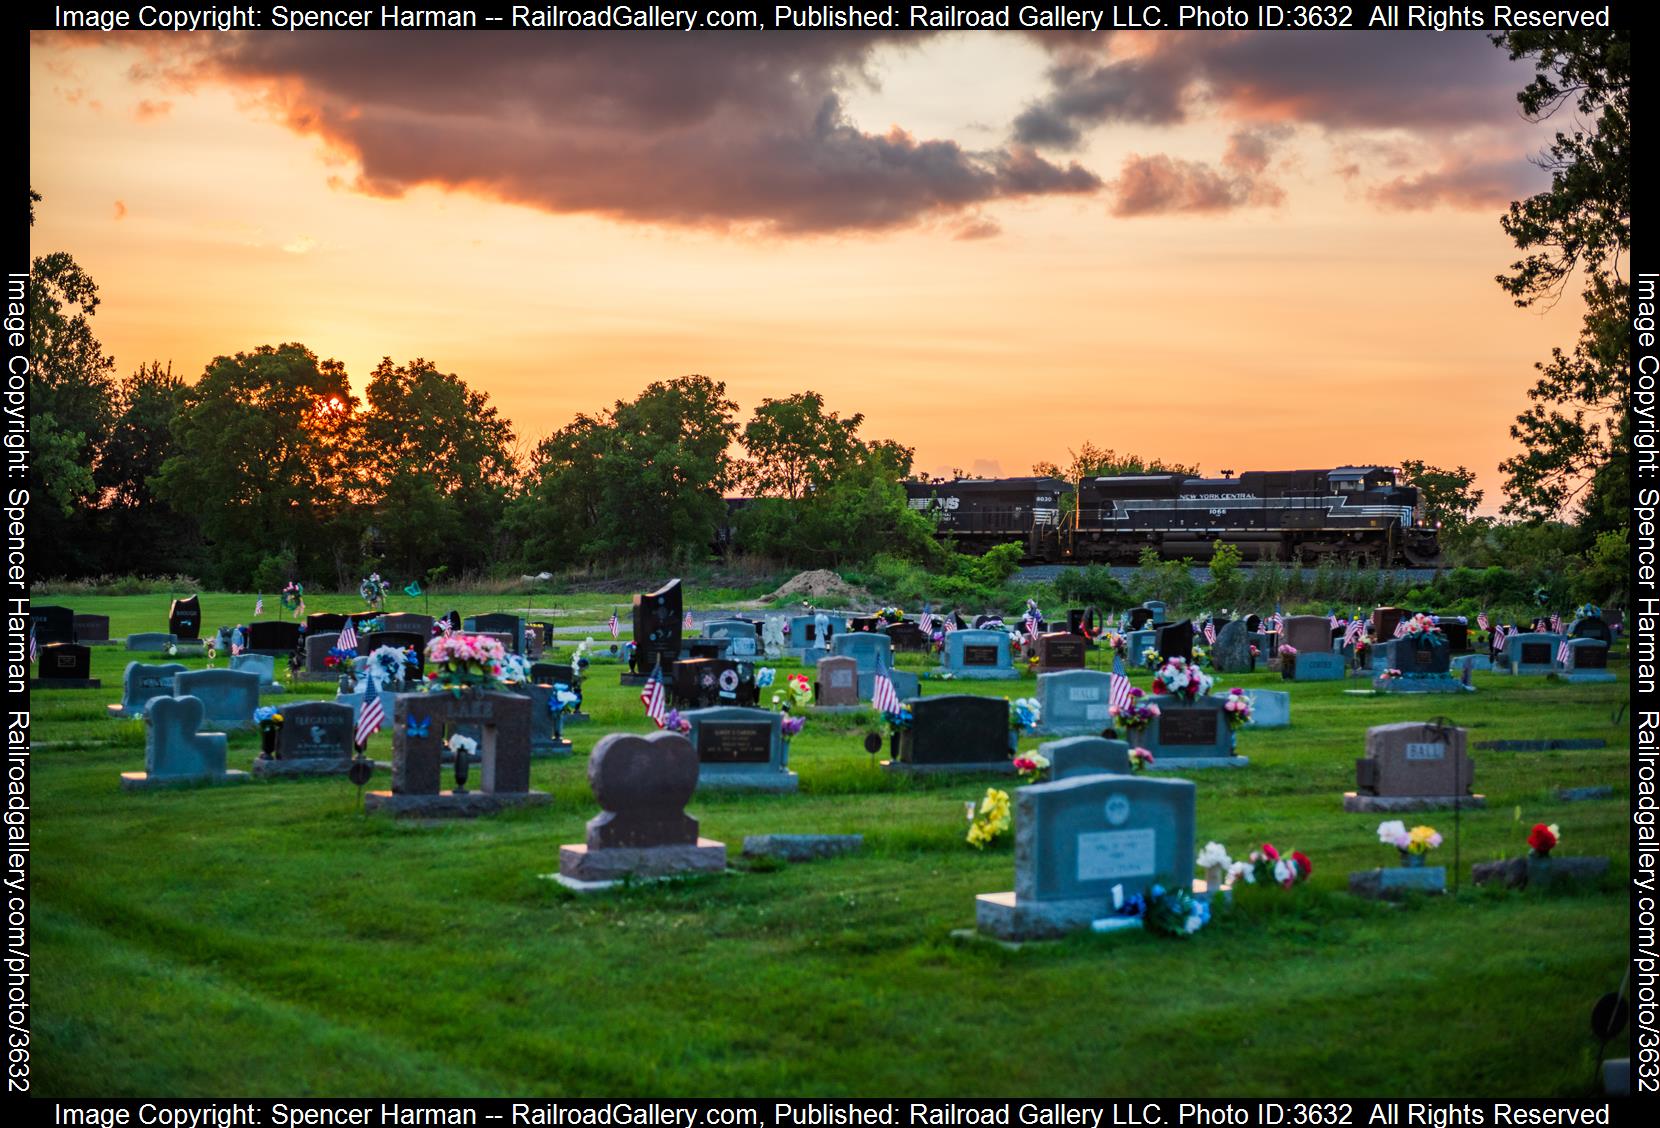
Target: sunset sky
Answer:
pixel 1242 250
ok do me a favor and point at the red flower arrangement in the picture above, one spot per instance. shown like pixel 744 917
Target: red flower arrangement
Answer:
pixel 1541 840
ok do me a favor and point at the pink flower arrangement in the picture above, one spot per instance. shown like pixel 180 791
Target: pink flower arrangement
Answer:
pixel 1140 759
pixel 1236 707
pixel 459 660
pixel 1137 715
pixel 792 725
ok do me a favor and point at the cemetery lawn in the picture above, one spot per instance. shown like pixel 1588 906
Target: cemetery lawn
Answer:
pixel 270 940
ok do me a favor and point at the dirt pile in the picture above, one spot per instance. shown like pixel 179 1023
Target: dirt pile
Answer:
pixel 823 587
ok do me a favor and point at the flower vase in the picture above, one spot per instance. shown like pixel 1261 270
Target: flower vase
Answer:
pixel 1411 860
pixel 348 684
pixel 267 742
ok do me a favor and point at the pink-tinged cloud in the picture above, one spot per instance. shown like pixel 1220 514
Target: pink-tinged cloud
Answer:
pixel 147 110
pixel 695 131
pixel 1161 184
pixel 1459 183
pixel 120 211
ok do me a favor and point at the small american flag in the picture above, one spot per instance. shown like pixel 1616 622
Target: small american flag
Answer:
pixel 883 697
pixel 1354 633
pixel 1400 628
pixel 1210 633
pixel 653 697
pixel 1032 624
pixel 688 625
pixel 34 647
pixel 1564 654
pixel 1335 621
pixel 369 719
pixel 348 636
pixel 1555 623
pixel 259 606
pixel 1499 635
pixel 1118 692
pixel 925 623
pixel 615 628
pixel 1276 622
pixel 950 623
pixel 1481 621
pixel 236 647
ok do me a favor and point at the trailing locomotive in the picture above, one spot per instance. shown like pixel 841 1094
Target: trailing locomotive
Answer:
pixel 1358 513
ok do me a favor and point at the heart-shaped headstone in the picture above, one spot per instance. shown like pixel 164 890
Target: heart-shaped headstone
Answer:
pixel 643 783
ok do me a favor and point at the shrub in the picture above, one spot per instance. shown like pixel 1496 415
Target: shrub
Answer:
pixel 1094 584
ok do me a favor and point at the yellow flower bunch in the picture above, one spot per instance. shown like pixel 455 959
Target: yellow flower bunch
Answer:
pixel 990 821
pixel 1423 839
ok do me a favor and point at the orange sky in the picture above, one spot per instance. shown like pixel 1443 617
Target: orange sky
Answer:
pixel 1288 309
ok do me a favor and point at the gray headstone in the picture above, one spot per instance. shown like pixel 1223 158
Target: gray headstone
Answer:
pixel 175 748
pixel 150 641
pixel 1074 702
pixel 317 649
pixel 873 652
pixel 1414 759
pixel 1086 755
pixel 228 697
pixel 740 749
pixel 315 730
pixel 1195 731
pixel 140 683
pixel 1269 708
pixel 1231 653
pixel 978 654
pixel 422 722
pixel 1531 653
pixel 262 666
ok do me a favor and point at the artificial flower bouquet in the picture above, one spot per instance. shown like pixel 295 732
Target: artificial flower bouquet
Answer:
pixel 1542 839
pixel 1031 766
pixel 1236 707
pixel 1413 844
pixel 1182 680
pixel 1137 715
pixel 1140 759
pixel 460 661
pixel 990 820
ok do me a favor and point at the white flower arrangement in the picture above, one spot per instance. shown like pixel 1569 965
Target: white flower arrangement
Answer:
pixel 387 665
pixel 1214 856
pixel 463 745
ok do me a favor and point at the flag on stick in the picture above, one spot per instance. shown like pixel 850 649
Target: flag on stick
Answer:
pixel 884 697
pixel 654 697
pixel 348 637
pixel 1481 621
pixel 1118 692
pixel 34 647
pixel 369 719
pixel 259 606
pixel 615 628
pixel 1564 654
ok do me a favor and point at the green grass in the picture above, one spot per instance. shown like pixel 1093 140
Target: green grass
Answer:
pixel 269 939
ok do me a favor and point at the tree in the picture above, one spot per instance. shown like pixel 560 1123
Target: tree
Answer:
pixel 265 458
pixel 1574 434
pixel 141 533
pixel 1091 461
pixel 1445 497
pixel 439 466
pixel 554 519
pixel 795 446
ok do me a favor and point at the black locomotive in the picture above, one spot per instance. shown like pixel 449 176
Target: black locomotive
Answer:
pixel 1353 513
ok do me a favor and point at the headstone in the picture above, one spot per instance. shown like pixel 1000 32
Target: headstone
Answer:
pixel 1531 653
pixel 317 647
pixel 52 624
pixel 1086 755
pixel 1175 641
pixel 702 683
pixel 1411 766
pixel 804 634
pixel 1269 708
pixel 741 750
pixel 176 751
pixel 906 635
pixel 547 722
pixel 1417 657
pixel 1078 840
pixel 1384 621
pixel 872 652
pixel 453 618
pixel 1060 651
pixel 276 637
pixel 316 738
pixel 838 682
pixel 324 621
pixel 140 683
pixel 1231 653
pixel 1140 619
pixel 1589 626
pixel 954 732
pixel 1253 623
pixel 978 654
pixel 1074 702
pixel 1457 632
pixel 1587 662
pixel 184 618
pixel 1137 644
pixel 657 619
pixel 407 622
pixel 1156 606
pixel 565 674
pixel 498 623
pixel 262 666
pixel 228 697
pixel 739 632
pixel 64 665
pixel 1310 637
pixel 1192 734
pixel 773 642
pixel 642 785
pixel 92 630
pixel 150 641
pixel 421 726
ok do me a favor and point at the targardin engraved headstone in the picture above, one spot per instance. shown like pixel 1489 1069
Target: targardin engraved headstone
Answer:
pixel 229 697
pixel 1060 651
pixel 184 618
pixel 1412 766
pixel 1310 637
pixel 1078 839
pixel 52 624
pixel 1191 734
pixel 642 785
pixel 93 630
pixel 141 682
pixel 64 665
pixel 1086 755
pixel 176 751
pixel 954 733
pixel 1074 702
pixel 838 682
pixel 316 738
pixel 422 724
pixel 978 654
pixel 741 750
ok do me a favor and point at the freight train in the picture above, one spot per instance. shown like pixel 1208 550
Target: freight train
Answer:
pixel 1351 513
